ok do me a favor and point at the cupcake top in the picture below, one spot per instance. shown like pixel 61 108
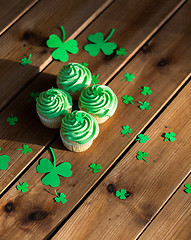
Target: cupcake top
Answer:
pixel 73 77
pixel 79 126
pixel 99 100
pixel 53 103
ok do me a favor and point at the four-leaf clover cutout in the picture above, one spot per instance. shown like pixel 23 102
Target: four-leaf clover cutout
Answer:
pixel 61 198
pixel 142 155
pixel 122 194
pixel 126 130
pixel 188 188
pixel 79 117
pixel 145 90
pixel 95 167
pixel 12 120
pixel 144 105
pixel 127 99
pixel 33 95
pixel 25 149
pixel 169 136
pixel 23 187
pixel 128 77
pixel 121 51
pixel 141 138
pixel 25 61
pixel 95 79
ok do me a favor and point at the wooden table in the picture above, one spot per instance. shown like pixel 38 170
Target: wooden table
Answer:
pixel 156 36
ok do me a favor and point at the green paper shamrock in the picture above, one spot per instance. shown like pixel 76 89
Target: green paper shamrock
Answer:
pixel 25 149
pixel 12 120
pixel 122 194
pixel 170 136
pixel 128 77
pixel 188 188
pixel 142 139
pixel 121 51
pixel 61 198
pixel 127 99
pixel 62 47
pixel 33 95
pixel 4 159
pixel 79 117
pixel 97 91
pixel 100 44
pixel 144 105
pixel 126 130
pixel 52 178
pixel 95 167
pixel 95 79
pixel 25 61
pixel 145 91
pixel 23 187
pixel 84 64
pixel 142 155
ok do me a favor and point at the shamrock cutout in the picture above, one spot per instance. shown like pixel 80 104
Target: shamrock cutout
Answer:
pixel 127 99
pixel 142 139
pixel 97 90
pixel 170 136
pixel 95 79
pixel 100 44
pixel 122 194
pixel 128 77
pixel 25 149
pixel 33 95
pixel 84 64
pixel 126 130
pixel 121 51
pixel 62 47
pixel 188 188
pixel 12 120
pixel 25 61
pixel 95 167
pixel 145 91
pixel 79 117
pixel 23 187
pixel 142 155
pixel 144 105
pixel 60 198
pixel 4 159
pixel 52 178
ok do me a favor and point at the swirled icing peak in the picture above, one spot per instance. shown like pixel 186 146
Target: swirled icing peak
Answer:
pixel 73 77
pixel 53 103
pixel 99 100
pixel 79 126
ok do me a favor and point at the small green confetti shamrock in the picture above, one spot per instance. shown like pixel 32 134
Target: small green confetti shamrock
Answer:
pixel 52 178
pixel 170 136
pixel 23 187
pixel 61 198
pixel 128 77
pixel 79 117
pixel 25 61
pixel 12 120
pixel 97 90
pixel 98 43
pixel 4 159
pixel 95 167
pixel 142 155
pixel 33 95
pixel 188 188
pixel 95 79
pixel 84 64
pixel 145 91
pixel 62 47
pixel 142 139
pixel 126 130
pixel 121 51
pixel 25 149
pixel 127 99
pixel 144 105
pixel 122 194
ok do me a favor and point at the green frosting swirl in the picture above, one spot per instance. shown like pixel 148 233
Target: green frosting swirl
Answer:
pixel 53 103
pixel 73 77
pixel 99 100
pixel 79 126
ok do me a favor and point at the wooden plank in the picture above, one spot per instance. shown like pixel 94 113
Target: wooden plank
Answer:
pixel 11 11
pixel 104 216
pixel 40 214
pixel 174 221
pixel 132 31
pixel 29 35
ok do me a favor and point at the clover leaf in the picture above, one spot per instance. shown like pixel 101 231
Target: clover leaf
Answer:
pixel 52 178
pixel 95 167
pixel 25 149
pixel 122 194
pixel 128 77
pixel 4 159
pixel 23 187
pixel 142 155
pixel 188 188
pixel 98 43
pixel 95 79
pixel 145 90
pixel 170 136
pixel 33 96
pixel 142 139
pixel 62 47
pixel 144 105
pixel 25 61
pixel 126 130
pixel 127 99
pixel 61 198
pixel 12 120
pixel 121 51
pixel 79 117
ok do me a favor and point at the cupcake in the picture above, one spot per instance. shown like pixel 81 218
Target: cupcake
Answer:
pixel 52 105
pixel 99 101
pixel 78 130
pixel 73 78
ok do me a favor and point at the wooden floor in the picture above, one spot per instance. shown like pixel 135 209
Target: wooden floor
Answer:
pixel 157 38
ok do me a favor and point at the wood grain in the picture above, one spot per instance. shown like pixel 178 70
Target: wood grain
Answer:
pixel 29 36
pixel 40 214
pixel 104 216
pixel 11 11
pixel 174 221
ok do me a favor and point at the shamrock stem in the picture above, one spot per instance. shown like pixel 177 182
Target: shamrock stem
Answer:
pixel 111 33
pixel 123 79
pixel 56 193
pixel 29 56
pixel 11 115
pixel 131 102
pixel 165 139
pixel 54 158
pixel 20 183
pixel 145 160
pixel 63 33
